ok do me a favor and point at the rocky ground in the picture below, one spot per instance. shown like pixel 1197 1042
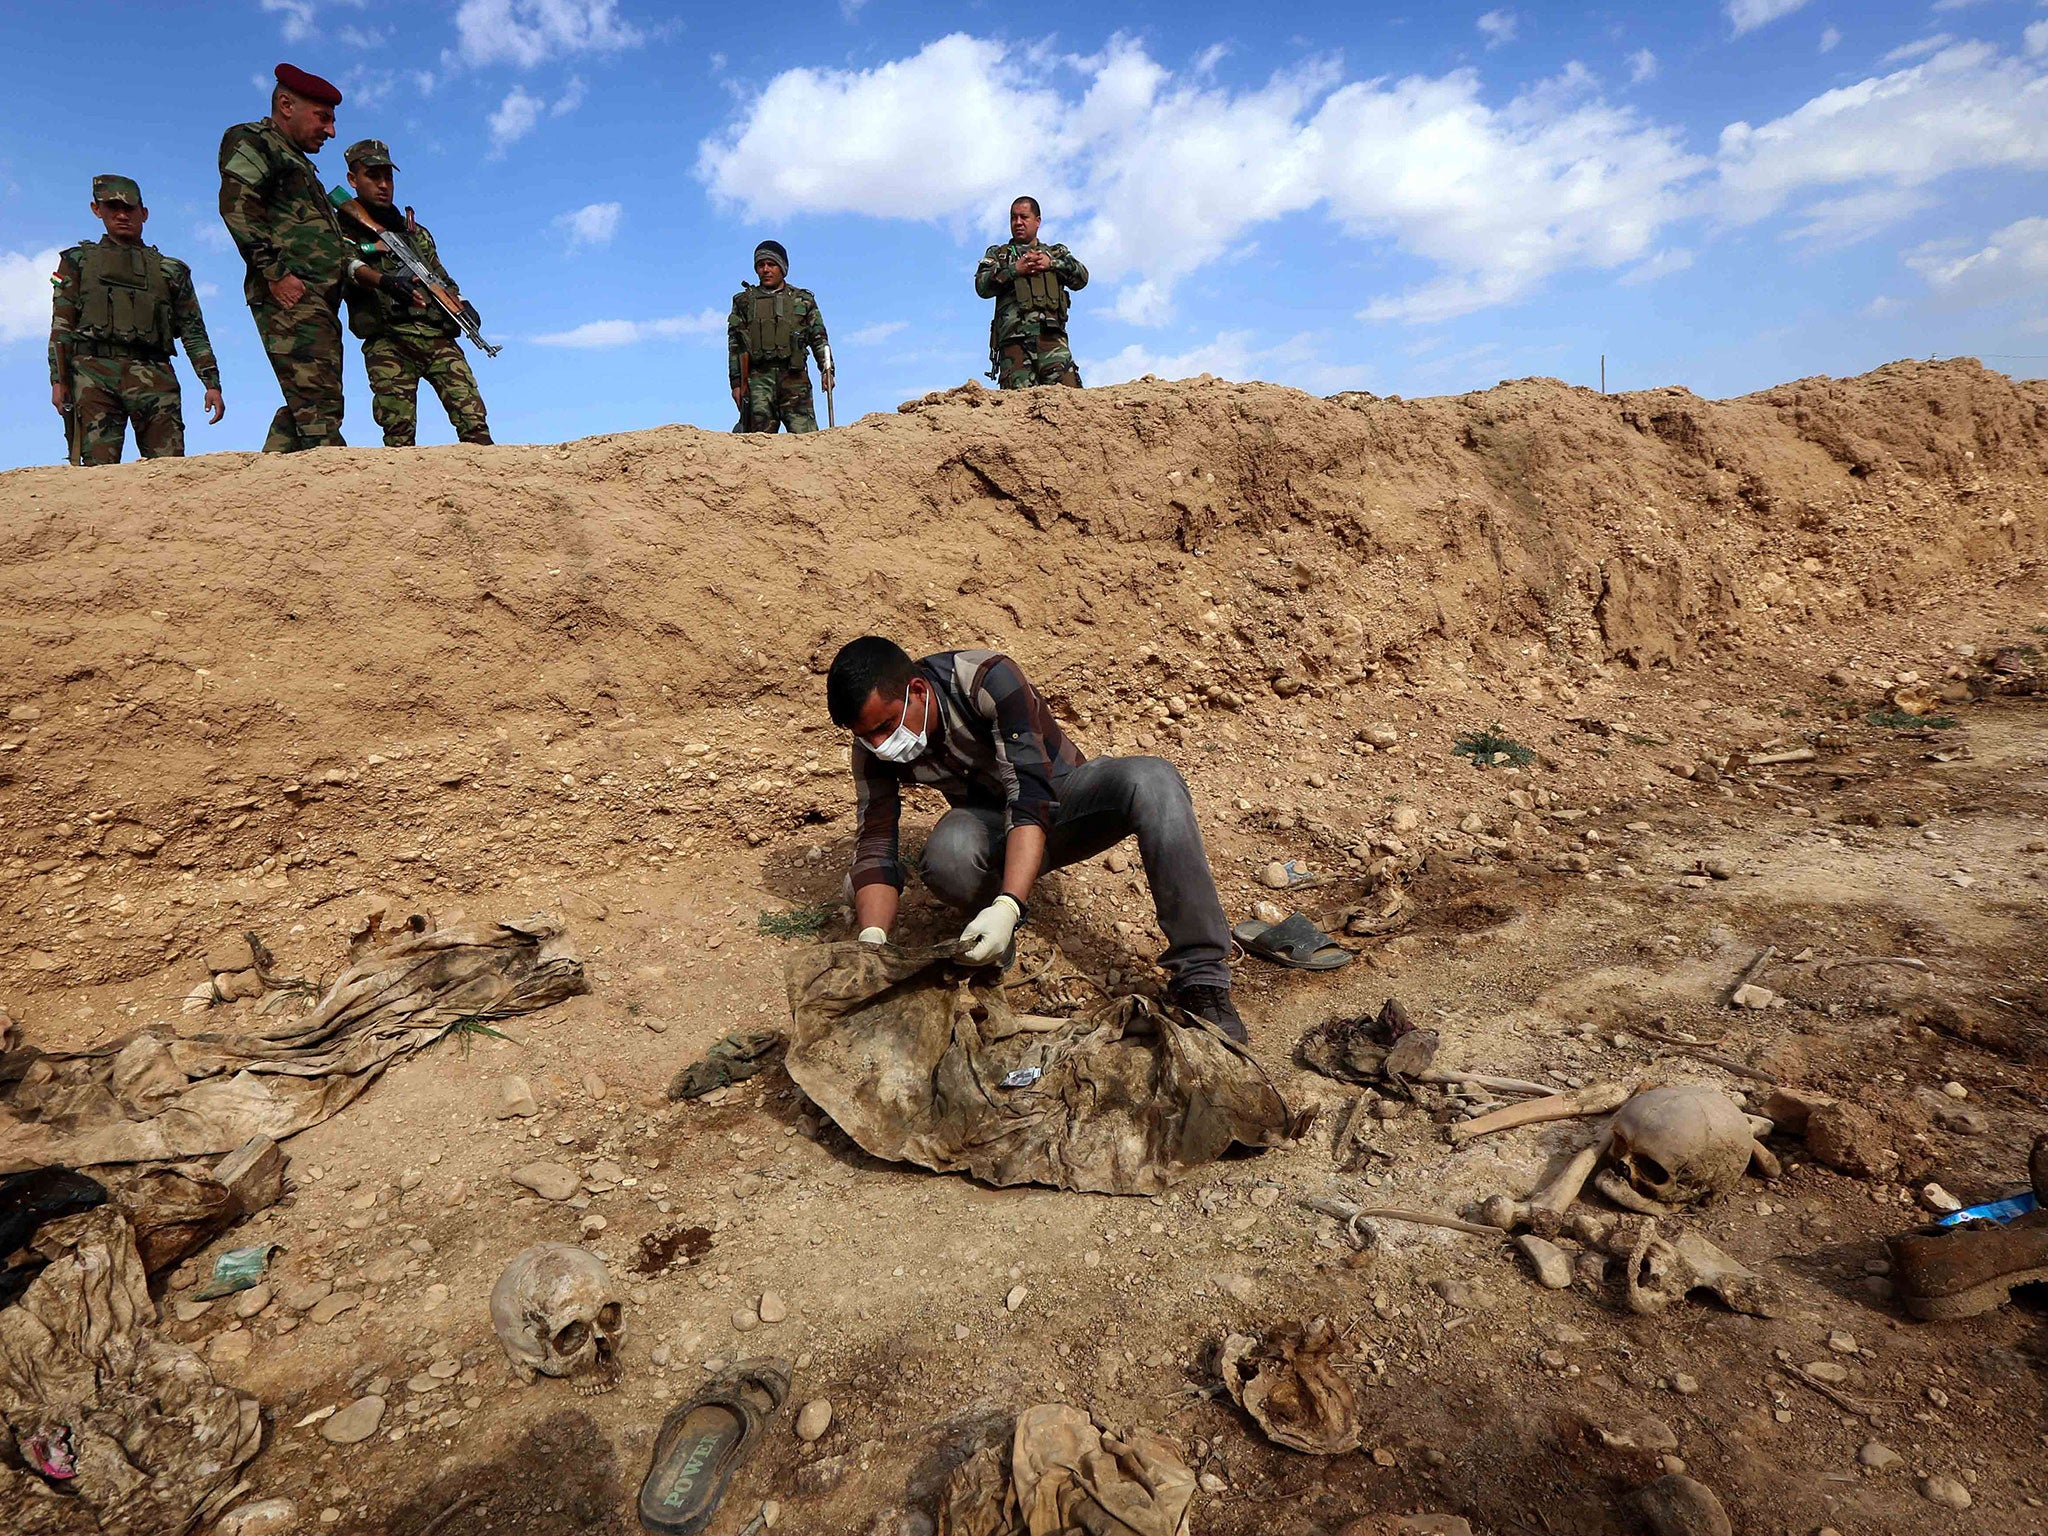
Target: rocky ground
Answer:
pixel 265 749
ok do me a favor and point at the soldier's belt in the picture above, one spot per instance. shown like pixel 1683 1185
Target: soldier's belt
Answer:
pixel 87 346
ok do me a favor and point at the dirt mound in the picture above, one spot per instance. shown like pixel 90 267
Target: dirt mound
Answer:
pixel 198 648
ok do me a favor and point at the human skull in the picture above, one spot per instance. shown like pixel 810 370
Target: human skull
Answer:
pixel 557 1313
pixel 1680 1146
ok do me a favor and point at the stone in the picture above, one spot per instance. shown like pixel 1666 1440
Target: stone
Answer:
pixel 551 1181
pixel 1552 1265
pixel 512 1098
pixel 355 1423
pixel 1945 1491
pixel 595 1086
pixel 265 1517
pixel 1833 1372
pixel 1265 1196
pixel 235 986
pixel 1955 1090
pixel 1750 995
pixel 772 1307
pixel 331 1306
pixel 1275 876
pixel 1016 1297
pixel 1935 1198
pixel 771 1511
pixel 1717 867
pixel 1405 818
pixel 1644 1434
pixel 230 1348
pixel 1118 862
pixel 1679 1506
pixel 187 1310
pixel 745 1320
pixel 302 1298
pixel 234 954
pixel 1878 1456
pixel 1433 1525
pixel 1463 1295
pixel 1961 1122
pixel 813 1419
pixel 248 1303
pixel 1850 1139
pixel 1684 1385
pixel 1842 1343
pixel 1472 822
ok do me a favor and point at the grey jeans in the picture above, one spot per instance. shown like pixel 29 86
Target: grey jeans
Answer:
pixel 1102 802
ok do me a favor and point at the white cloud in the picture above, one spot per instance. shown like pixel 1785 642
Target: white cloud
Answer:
pixel 1748 15
pixel 514 118
pixel 1829 37
pixel 297 18
pixel 2036 37
pixel 521 111
pixel 881 330
pixel 1955 5
pixel 25 294
pixel 624 333
pixel 1231 355
pixel 1498 27
pixel 2012 265
pixel 849 10
pixel 1831 221
pixel 1918 48
pixel 1642 65
pixel 526 33
pixel 592 224
pixel 1164 174
pixel 1966 108
pixel 207 290
pixel 1663 264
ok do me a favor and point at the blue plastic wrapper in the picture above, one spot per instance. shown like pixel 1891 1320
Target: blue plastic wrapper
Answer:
pixel 1995 1210
pixel 236 1270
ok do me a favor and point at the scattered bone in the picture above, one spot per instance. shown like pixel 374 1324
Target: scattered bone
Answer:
pixel 1597 1099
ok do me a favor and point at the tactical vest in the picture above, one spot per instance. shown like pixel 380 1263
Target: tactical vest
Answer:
pixel 1042 292
pixel 771 325
pixel 124 296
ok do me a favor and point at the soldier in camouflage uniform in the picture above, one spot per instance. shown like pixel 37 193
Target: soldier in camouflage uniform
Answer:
pixel 404 343
pixel 120 308
pixel 298 258
pixel 1027 343
pixel 772 324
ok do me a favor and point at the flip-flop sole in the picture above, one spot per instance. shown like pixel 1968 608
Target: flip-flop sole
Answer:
pixel 684 1487
pixel 1977 1299
pixel 1329 958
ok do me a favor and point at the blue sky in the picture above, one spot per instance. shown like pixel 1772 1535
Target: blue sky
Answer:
pixel 1403 198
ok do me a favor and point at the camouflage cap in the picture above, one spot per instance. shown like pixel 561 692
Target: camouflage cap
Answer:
pixel 368 152
pixel 116 189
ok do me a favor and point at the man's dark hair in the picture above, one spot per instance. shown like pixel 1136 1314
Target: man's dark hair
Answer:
pixel 1036 211
pixel 862 668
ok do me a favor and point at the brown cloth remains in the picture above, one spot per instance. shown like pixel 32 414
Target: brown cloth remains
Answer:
pixel 153 1444
pixel 909 1052
pixel 145 1099
pixel 1066 1476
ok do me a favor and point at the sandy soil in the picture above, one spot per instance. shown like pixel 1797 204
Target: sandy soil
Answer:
pixel 260 694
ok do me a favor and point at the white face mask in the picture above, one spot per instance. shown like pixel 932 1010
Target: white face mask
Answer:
pixel 904 745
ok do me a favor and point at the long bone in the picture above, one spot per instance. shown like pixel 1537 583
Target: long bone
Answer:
pixel 1595 1099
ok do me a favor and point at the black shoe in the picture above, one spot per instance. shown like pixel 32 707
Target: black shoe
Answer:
pixel 1213 1004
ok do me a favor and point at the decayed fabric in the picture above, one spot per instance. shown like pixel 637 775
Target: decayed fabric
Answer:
pixel 146 1099
pixel 1289 1386
pixel 910 1054
pixel 116 1431
pixel 1066 1476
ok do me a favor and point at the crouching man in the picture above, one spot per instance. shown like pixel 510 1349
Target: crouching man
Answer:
pixel 1024 800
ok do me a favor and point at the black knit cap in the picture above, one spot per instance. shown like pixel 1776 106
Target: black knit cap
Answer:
pixel 773 250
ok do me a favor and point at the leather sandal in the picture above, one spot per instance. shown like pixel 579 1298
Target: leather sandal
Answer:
pixel 704 1440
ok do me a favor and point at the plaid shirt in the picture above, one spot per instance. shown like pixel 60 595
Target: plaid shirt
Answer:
pixel 993 743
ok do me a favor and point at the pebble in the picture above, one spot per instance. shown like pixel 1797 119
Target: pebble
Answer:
pixel 1552 1265
pixel 188 1311
pixel 1016 1297
pixel 771 1511
pixel 1381 735
pixel 1679 1506
pixel 1405 818
pixel 265 1517
pixel 772 1308
pixel 357 1422
pixel 229 1348
pixel 248 1303
pixel 1685 1385
pixel 551 1181
pixel 822 1475
pixel 813 1419
pixel 1878 1456
pixel 1211 1483
pixel 1275 876
pixel 1119 862
pixel 1472 822
pixel 1750 995
pixel 1265 1196
pixel 1935 1198
pixel 1833 1372
pixel 513 1098
pixel 1842 1343
pixel 331 1306
pixel 1463 1295
pixel 1955 1090
pixel 1945 1491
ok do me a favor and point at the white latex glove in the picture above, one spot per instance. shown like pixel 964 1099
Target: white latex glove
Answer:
pixel 874 935
pixel 990 933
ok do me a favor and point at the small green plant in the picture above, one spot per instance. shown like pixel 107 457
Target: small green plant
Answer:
pixel 1899 720
pixel 470 1026
pixel 805 922
pixel 1492 746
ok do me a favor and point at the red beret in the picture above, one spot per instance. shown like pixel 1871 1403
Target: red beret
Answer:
pixel 308 87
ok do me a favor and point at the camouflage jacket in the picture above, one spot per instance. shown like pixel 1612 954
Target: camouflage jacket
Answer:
pixel 807 330
pixel 998 270
pixel 186 319
pixel 274 205
pixel 372 312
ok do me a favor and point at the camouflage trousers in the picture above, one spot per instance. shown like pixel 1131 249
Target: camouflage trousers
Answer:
pixel 1044 360
pixel 107 393
pixel 396 362
pixel 780 395
pixel 304 346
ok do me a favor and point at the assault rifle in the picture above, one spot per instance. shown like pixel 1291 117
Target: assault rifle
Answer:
pixel 461 311
pixel 72 453
pixel 746 421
